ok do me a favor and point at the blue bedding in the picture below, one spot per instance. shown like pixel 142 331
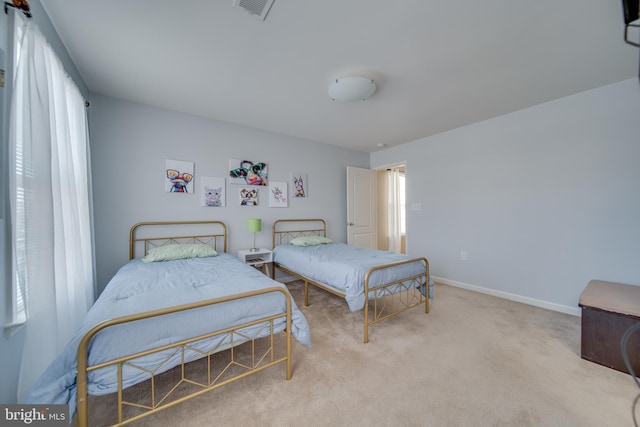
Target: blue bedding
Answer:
pixel 343 267
pixel 139 287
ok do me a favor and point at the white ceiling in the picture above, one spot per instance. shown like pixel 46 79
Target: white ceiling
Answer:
pixel 438 64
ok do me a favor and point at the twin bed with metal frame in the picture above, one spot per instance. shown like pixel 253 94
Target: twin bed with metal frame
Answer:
pixel 382 283
pixel 156 317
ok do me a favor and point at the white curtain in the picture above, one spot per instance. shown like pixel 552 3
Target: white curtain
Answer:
pixel 393 210
pixel 50 204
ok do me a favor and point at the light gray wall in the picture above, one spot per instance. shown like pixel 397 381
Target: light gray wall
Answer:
pixel 542 200
pixel 11 347
pixel 130 143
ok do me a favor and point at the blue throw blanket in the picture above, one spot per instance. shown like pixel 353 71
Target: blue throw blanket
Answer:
pixel 343 267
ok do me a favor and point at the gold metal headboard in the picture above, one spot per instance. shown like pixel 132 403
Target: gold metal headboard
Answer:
pixel 281 234
pixel 218 233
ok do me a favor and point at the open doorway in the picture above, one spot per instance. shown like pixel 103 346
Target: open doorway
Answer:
pixel 391 212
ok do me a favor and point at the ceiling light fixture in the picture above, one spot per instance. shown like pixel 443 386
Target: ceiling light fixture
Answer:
pixel 349 89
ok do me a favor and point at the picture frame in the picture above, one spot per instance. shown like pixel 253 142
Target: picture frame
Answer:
pixel 248 172
pixel 212 192
pixel 299 187
pixel 278 194
pixel 248 196
pixel 178 176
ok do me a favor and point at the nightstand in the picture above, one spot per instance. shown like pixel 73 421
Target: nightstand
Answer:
pixel 259 259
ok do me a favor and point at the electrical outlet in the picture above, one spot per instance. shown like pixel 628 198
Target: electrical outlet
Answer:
pixel 463 255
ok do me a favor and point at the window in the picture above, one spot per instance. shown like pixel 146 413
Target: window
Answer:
pixel 17 308
pixel 52 249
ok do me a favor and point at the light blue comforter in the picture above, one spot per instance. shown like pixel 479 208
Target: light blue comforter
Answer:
pixel 139 287
pixel 343 267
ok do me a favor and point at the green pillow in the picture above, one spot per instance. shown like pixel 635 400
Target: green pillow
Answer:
pixel 309 241
pixel 179 251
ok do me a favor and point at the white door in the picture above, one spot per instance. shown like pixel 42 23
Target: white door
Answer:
pixel 361 207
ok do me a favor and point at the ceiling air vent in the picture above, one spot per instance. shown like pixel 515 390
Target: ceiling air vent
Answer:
pixel 257 8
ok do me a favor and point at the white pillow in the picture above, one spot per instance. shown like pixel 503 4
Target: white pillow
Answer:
pixel 309 241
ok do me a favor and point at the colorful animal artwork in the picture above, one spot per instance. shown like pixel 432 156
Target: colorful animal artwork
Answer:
pixel 249 197
pixel 179 181
pixel 298 185
pixel 252 173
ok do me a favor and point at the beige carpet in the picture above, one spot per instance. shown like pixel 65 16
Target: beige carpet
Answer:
pixel 475 360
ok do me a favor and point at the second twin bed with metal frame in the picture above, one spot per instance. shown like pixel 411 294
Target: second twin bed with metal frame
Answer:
pixel 381 283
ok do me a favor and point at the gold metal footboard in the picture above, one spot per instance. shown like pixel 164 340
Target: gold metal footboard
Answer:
pixel 384 301
pixel 258 360
pixel 393 298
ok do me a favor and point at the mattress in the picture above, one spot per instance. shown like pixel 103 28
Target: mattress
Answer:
pixel 343 267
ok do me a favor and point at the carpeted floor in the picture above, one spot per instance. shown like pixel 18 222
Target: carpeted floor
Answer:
pixel 475 360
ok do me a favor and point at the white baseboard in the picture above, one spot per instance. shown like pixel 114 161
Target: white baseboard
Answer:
pixel 574 311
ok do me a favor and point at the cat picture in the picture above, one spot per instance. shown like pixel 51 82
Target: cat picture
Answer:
pixel 212 192
pixel 213 196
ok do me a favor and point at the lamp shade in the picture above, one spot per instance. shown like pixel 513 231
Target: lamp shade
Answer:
pixel 349 89
pixel 255 225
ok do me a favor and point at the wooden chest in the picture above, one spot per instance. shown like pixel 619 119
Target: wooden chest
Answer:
pixel 608 311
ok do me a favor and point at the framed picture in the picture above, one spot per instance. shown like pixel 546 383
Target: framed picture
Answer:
pixel 278 194
pixel 248 196
pixel 248 172
pixel 213 192
pixel 178 176
pixel 298 184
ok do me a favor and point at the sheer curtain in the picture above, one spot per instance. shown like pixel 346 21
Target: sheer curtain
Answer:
pixel 50 202
pixel 393 211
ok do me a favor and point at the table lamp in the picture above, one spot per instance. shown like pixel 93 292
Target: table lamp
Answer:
pixel 255 225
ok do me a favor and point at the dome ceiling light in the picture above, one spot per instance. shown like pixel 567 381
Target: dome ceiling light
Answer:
pixel 349 89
